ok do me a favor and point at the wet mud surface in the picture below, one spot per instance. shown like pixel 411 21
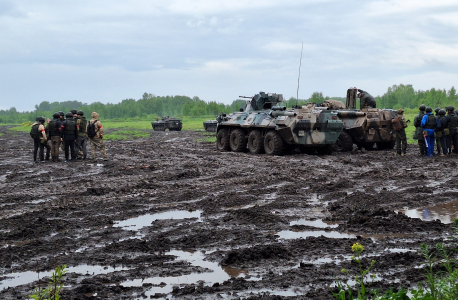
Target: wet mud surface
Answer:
pixel 170 217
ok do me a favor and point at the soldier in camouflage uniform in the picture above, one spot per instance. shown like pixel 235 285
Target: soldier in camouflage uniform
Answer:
pixel 39 138
pixel 69 134
pixel 401 139
pixel 418 135
pixel 53 129
pixel 439 131
pixel 450 125
pixel 81 124
pixel 97 141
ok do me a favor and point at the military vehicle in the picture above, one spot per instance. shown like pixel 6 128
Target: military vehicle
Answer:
pixel 169 123
pixel 266 127
pixel 210 125
pixel 370 128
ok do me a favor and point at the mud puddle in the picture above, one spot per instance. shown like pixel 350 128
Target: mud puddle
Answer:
pixel 138 223
pixel 445 212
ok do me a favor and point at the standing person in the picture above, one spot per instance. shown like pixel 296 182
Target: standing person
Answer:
pixel 451 127
pixel 95 134
pixel 47 143
pixel 443 139
pixel 366 100
pixel 418 135
pixel 39 138
pixel 69 135
pixel 53 129
pixel 399 126
pixel 428 125
pixel 81 123
pixel 439 131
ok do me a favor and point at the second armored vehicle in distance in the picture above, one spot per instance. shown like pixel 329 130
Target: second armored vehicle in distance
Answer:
pixel 169 123
pixel 210 125
pixel 265 126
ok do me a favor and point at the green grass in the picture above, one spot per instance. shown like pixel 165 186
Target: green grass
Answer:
pixel 124 134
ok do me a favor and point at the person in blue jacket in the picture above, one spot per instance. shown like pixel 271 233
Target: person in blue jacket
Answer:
pixel 429 124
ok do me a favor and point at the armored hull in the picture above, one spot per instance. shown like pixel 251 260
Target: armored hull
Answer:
pixel 265 127
pixel 370 128
pixel 210 125
pixel 171 124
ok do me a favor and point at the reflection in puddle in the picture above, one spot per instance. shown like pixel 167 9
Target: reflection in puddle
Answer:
pixel 316 223
pixel 445 212
pixel 146 220
pixel 218 274
pixel 15 279
pixel 395 250
pixel 287 234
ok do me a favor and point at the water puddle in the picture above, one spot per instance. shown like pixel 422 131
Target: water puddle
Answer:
pixel 288 234
pixel 16 279
pixel 138 223
pixel 445 212
pixel 396 250
pixel 218 274
pixel 315 223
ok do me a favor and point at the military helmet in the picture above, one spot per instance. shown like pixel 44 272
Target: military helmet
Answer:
pixel 74 111
pixel 422 107
pixel 56 115
pixel 69 115
pixel 429 109
pixel 442 112
pixel 40 119
pixel 450 108
pixel 80 113
pixel 437 110
pixel 400 111
pixel 61 113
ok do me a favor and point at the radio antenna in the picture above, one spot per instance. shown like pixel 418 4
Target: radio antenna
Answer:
pixel 300 63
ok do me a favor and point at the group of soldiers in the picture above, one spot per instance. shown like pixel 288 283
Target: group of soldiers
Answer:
pixel 71 134
pixel 440 129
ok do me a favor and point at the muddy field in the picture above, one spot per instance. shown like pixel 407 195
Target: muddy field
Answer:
pixel 169 217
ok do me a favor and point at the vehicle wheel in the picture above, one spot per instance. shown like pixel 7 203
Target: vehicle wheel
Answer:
pixel 326 150
pixel 273 143
pixel 344 143
pixel 222 140
pixel 255 142
pixel 237 140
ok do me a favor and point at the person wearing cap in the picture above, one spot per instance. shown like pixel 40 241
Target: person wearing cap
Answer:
pixel 81 124
pixel 399 126
pixel 428 125
pixel 450 126
pixel 39 139
pixel 418 135
pixel 366 100
pixel 53 129
pixel 440 132
pixel 69 134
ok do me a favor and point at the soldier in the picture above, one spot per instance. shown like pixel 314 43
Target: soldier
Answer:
pixel 69 134
pixel 418 135
pixel 53 129
pixel 81 123
pixel 365 99
pixel 450 125
pixel 399 126
pixel 443 139
pixel 428 125
pixel 39 138
pixel 47 143
pixel 61 119
pixel 439 131
pixel 95 134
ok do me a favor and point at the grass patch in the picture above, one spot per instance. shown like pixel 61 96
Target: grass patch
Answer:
pixel 125 134
pixel 207 137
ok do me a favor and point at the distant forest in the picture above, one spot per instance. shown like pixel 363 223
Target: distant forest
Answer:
pixel 151 106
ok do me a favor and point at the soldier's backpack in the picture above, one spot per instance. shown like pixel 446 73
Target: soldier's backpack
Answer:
pixel 396 124
pixel 34 131
pixel 91 131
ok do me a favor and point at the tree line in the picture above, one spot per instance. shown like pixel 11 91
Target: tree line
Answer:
pixel 151 106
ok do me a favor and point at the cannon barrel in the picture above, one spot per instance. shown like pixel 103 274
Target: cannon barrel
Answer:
pixel 277 113
pixel 350 114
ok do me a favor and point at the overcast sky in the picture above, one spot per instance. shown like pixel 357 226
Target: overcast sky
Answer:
pixel 110 50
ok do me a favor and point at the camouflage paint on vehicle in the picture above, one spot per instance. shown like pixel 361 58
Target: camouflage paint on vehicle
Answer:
pixel 169 123
pixel 210 125
pixel 370 128
pixel 265 126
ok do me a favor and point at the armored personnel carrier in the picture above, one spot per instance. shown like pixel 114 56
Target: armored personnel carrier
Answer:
pixel 169 123
pixel 370 128
pixel 266 126
pixel 210 125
